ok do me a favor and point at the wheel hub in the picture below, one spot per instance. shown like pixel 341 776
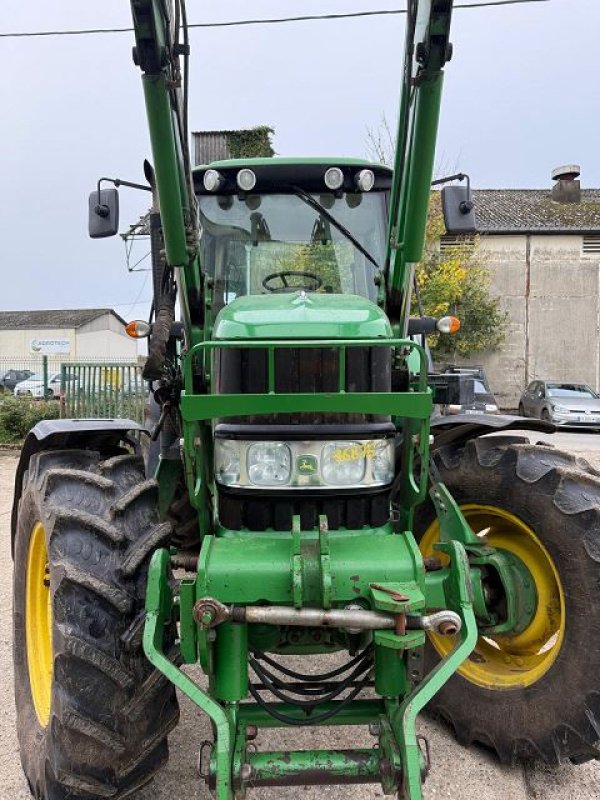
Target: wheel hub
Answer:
pixel 520 651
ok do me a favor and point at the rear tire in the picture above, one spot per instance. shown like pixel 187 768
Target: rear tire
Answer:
pixel 550 716
pixel 97 725
pixel 521 410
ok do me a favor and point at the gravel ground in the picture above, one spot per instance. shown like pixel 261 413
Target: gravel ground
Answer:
pixel 457 772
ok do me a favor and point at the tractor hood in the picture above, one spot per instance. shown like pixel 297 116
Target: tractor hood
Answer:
pixel 302 316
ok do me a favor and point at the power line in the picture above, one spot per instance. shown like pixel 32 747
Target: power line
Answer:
pixel 137 299
pixel 267 21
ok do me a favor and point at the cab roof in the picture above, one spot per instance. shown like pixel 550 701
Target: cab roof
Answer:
pixel 279 174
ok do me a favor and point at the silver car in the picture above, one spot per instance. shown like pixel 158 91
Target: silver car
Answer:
pixel 562 403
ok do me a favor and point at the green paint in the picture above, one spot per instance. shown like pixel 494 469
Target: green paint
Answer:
pixel 250 567
pixel 345 766
pixel 231 662
pixel 390 671
pixel 403 717
pixel 159 608
pixel 187 624
pixel 310 316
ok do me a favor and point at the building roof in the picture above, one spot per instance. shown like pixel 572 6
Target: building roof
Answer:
pixel 534 211
pixel 53 318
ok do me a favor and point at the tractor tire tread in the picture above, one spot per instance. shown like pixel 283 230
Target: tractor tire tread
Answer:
pixel 72 516
pixel 111 711
pixel 158 536
pixel 112 594
pixel 132 495
pixel 510 471
pixel 76 647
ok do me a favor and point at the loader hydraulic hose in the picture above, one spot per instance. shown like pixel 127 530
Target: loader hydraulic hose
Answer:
pixel 154 367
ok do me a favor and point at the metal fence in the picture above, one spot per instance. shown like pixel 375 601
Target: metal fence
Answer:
pixel 37 368
pixel 40 369
pixel 103 391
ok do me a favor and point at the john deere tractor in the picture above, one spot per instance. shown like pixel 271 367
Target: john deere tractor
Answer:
pixel 303 505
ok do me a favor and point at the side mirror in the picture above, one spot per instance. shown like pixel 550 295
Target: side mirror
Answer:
pixel 103 217
pixel 458 208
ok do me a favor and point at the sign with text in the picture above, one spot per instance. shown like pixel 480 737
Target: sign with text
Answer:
pixel 50 347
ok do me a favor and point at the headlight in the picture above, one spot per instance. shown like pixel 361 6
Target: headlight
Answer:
pixel 227 461
pixel 310 464
pixel 269 463
pixel 382 462
pixel 343 463
pixel 561 409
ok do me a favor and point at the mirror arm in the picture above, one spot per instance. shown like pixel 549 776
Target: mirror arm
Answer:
pixel 466 205
pixel 103 210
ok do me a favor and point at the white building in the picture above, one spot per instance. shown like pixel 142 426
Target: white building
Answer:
pixel 542 248
pixel 77 334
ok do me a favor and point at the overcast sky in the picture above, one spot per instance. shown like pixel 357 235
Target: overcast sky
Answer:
pixel 522 96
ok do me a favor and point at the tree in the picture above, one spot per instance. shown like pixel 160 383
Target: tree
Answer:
pixel 454 282
pixel 457 282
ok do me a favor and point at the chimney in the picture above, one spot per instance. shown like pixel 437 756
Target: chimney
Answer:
pixel 567 188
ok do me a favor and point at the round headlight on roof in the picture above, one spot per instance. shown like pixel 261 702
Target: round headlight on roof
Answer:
pixel 365 180
pixel 212 180
pixel 246 180
pixel 334 178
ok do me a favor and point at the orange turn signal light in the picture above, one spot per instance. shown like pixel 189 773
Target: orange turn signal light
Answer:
pixel 138 329
pixel 449 325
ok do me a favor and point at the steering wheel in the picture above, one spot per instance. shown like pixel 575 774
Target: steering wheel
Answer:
pixel 310 283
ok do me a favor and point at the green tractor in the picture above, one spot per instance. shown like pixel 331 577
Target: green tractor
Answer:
pixel 304 505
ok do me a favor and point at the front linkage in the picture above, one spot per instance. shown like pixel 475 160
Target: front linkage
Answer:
pixel 390 618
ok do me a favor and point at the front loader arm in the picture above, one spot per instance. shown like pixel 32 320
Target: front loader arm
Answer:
pixel 426 51
pixel 158 52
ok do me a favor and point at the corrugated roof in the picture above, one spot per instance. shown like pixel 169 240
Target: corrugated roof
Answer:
pixel 210 146
pixel 534 210
pixel 53 318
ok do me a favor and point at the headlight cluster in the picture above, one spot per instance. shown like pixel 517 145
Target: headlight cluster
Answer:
pixel 292 464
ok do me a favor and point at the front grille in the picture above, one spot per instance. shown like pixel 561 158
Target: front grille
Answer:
pixel 261 510
pixel 303 370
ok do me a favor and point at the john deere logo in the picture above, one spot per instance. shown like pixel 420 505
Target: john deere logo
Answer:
pixel 307 465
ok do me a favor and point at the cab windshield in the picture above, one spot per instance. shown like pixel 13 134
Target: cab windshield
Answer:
pixel 283 243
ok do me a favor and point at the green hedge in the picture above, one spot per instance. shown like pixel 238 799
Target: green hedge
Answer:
pixel 18 416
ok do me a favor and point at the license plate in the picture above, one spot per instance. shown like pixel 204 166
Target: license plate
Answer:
pixel 473 411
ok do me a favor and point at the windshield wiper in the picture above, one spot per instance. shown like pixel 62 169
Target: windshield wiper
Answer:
pixel 316 206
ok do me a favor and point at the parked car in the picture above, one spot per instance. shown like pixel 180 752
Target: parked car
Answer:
pixel 481 402
pixel 34 386
pixel 562 403
pixel 11 377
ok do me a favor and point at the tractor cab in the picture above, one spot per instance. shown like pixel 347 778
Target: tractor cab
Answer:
pixel 277 226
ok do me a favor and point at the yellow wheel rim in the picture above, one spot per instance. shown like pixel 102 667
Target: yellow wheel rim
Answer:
pixel 38 623
pixel 511 662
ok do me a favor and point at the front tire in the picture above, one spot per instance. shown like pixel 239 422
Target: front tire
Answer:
pixel 92 713
pixel 535 696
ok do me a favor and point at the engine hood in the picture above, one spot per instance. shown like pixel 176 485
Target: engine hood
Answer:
pixel 302 316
